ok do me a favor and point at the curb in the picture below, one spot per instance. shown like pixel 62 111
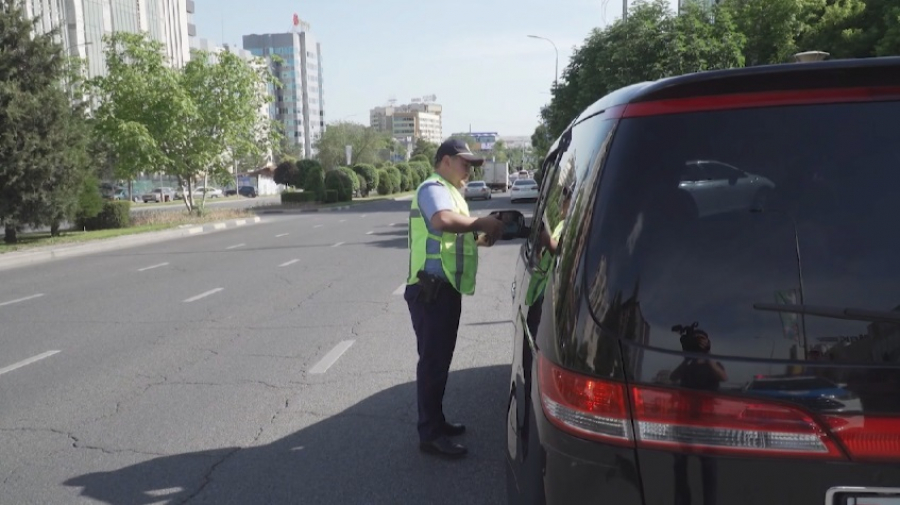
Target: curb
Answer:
pixel 18 259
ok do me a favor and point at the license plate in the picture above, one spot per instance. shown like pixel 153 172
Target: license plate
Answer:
pixel 862 496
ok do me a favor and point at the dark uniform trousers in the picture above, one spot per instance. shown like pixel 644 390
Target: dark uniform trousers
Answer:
pixel 436 325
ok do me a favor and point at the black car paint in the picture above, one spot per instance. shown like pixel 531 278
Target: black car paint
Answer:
pixel 546 465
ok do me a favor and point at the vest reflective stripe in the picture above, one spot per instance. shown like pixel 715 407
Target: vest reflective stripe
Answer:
pixel 538 282
pixel 458 252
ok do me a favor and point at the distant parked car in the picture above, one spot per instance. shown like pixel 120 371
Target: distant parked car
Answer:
pixel 120 194
pixel 210 192
pixel 163 194
pixel 248 191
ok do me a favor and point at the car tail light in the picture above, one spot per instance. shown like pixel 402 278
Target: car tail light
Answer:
pixel 587 407
pixel 867 437
pixel 693 421
pixel 703 422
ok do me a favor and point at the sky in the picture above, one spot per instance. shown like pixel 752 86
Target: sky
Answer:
pixel 475 56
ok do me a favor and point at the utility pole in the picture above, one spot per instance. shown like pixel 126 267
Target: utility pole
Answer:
pixel 625 9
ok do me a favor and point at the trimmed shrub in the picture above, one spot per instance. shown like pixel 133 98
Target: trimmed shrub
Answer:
pixel 384 182
pixel 315 181
pixel 369 175
pixel 90 200
pixel 354 180
pixel 113 215
pixel 338 181
pixel 414 179
pixel 331 196
pixel 303 169
pixel 396 179
pixel 288 174
pixel 297 197
pixel 423 169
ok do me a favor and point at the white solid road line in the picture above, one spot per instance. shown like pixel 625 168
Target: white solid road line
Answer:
pixel 339 244
pixel 282 235
pixel 329 359
pixel 369 232
pixel 400 290
pixel 32 297
pixel 152 267
pixel 318 226
pixel 203 295
pixel 28 361
pixel 364 215
pixel 289 263
pixel 342 221
pixel 235 246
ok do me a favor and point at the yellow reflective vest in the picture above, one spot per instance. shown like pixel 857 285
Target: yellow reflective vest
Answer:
pixel 539 277
pixel 458 251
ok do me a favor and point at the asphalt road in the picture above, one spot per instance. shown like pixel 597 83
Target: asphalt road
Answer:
pixel 272 363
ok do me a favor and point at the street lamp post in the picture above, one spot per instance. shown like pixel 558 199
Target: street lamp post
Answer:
pixel 556 67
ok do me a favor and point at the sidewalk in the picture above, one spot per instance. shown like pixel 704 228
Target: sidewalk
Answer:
pixel 44 254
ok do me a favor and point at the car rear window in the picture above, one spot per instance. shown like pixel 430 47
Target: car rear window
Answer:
pixel 706 216
pixel 525 182
pixel 476 184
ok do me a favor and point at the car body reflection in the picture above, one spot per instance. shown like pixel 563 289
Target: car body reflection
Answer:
pixel 718 187
pixel 815 393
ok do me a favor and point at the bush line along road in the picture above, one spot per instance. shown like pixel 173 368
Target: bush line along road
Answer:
pixel 272 363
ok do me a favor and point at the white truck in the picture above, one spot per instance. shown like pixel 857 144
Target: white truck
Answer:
pixel 496 175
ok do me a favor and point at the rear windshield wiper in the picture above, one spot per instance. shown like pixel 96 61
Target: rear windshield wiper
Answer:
pixel 833 312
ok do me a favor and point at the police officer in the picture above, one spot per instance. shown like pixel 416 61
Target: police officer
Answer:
pixel 443 259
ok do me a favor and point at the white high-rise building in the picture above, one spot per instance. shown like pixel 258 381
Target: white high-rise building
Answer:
pixel 83 23
pixel 300 103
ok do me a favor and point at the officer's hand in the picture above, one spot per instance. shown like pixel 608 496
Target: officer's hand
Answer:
pixel 483 240
pixel 491 226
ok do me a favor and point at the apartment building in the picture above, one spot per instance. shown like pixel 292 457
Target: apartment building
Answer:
pixel 296 60
pixel 421 118
pixel 82 24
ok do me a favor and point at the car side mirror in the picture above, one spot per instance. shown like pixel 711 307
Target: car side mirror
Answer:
pixel 514 222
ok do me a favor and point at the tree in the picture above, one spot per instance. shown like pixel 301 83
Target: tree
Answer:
pixel 142 111
pixel 364 141
pixel 540 143
pixel 189 123
pixel 771 41
pixel 227 94
pixel 650 44
pixel 426 149
pixel 41 131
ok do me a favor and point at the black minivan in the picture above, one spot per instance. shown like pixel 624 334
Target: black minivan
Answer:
pixel 721 318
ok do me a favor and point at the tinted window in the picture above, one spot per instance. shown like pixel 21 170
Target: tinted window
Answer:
pixel 814 207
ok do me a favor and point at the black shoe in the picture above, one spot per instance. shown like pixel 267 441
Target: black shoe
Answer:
pixel 442 446
pixel 454 430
